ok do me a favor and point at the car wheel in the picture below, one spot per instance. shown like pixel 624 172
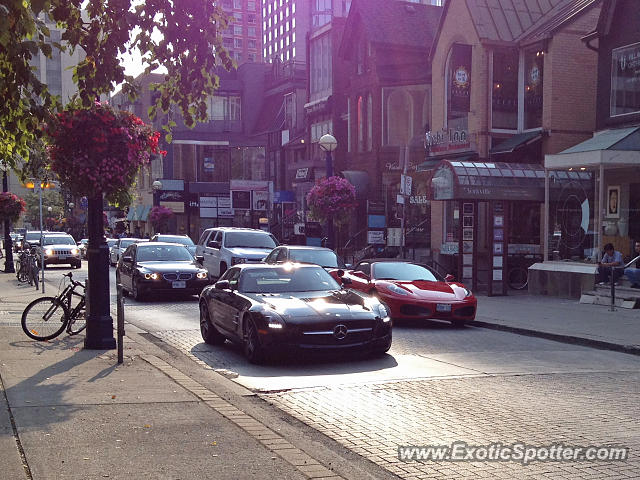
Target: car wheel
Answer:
pixel 137 294
pixel 252 348
pixel 209 333
pixel 457 323
pixel 381 351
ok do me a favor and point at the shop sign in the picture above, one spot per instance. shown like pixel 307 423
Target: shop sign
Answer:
pixel 375 208
pixel 447 140
pixel 375 237
pixel 224 207
pixel 302 173
pixel 260 200
pixel 625 81
pixel 174 200
pixel 208 164
pixel 284 196
pixel 449 248
pixel 418 199
pixel 394 237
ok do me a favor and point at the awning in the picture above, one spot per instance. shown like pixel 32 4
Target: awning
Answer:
pixel 143 214
pixel 615 147
pixel 431 163
pixel 517 141
pixel 131 213
pixel 457 180
pixel 360 180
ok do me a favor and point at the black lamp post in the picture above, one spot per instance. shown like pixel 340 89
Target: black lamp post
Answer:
pixel 99 322
pixel 328 144
pixel 8 244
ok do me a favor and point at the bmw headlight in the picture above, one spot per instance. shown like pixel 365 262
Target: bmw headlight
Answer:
pixel 396 289
pixel 151 276
pixel 237 260
pixel 48 251
pixel 201 275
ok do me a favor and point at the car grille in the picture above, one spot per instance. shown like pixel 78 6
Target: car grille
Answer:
pixel 61 251
pixel 359 332
pixel 177 276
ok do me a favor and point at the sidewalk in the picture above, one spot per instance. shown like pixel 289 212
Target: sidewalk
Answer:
pixel 565 320
pixel 67 412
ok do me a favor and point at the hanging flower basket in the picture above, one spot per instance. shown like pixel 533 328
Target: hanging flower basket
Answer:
pixel 11 206
pixel 159 217
pixel 332 198
pixel 100 149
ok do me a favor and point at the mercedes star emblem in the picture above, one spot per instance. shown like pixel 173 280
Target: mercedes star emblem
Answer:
pixel 340 331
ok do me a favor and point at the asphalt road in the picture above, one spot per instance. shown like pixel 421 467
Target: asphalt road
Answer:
pixel 437 385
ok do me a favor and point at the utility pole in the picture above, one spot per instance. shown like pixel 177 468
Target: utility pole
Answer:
pixel 8 246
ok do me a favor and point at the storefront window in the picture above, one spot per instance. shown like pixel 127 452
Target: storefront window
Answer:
pixel 459 87
pixel 533 88
pixel 213 164
pixel 625 80
pixel 504 99
pixel 524 224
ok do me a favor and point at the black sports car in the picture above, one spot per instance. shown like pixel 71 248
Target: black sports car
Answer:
pixel 155 267
pixel 269 308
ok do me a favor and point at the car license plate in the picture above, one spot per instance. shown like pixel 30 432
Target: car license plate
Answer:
pixel 62 257
pixel 443 307
pixel 180 284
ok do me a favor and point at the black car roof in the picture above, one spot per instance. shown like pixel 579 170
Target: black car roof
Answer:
pixel 253 266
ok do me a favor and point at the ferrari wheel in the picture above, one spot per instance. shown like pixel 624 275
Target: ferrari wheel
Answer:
pixel 252 348
pixel 209 333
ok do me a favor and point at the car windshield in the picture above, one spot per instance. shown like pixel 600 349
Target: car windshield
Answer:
pixel 126 243
pixel 177 239
pixel 110 242
pixel 58 240
pixel 163 253
pixel 402 271
pixel 31 236
pixel 324 258
pixel 280 280
pixel 249 239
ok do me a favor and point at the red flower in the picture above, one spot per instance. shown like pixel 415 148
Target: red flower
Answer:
pixel 11 206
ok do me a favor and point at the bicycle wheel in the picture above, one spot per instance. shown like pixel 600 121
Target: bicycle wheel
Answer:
pixel 44 318
pixel 23 277
pixel 518 278
pixel 78 322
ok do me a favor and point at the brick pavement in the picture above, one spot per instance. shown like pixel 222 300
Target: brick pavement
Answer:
pixel 575 409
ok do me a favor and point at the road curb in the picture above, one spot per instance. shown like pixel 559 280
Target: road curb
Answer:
pixel 570 339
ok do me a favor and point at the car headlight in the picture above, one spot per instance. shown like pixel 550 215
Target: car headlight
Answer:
pixel 467 292
pixel 237 260
pixel 74 251
pixel 274 321
pixel 48 251
pixel 151 276
pixel 383 313
pixel 201 275
pixel 396 289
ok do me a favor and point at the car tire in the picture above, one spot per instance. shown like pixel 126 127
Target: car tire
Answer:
pixel 253 351
pixel 210 334
pixel 135 291
pixel 458 323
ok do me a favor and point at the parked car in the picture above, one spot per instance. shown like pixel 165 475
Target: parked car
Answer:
pixel 411 290
pixel 82 246
pixel 181 239
pixel 325 257
pixel 224 247
pixel 120 246
pixel 59 248
pixel 155 267
pixel 271 308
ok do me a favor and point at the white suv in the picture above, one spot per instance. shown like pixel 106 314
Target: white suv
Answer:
pixel 223 247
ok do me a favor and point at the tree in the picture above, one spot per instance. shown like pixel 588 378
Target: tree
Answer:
pixel 50 198
pixel 183 37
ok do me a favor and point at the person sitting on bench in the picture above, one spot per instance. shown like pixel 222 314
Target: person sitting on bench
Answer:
pixel 611 258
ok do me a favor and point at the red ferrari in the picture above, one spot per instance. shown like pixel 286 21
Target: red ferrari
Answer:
pixel 411 290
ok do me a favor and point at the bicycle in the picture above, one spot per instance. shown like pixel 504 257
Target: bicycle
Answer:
pixel 47 317
pixel 27 269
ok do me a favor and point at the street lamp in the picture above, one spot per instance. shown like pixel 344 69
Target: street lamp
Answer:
pixel 157 186
pixel 328 144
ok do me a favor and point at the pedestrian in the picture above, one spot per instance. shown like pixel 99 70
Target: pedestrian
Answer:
pixel 611 258
pixel 633 272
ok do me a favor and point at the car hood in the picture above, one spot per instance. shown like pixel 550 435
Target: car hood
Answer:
pixel 428 290
pixel 60 245
pixel 167 267
pixel 247 252
pixel 344 304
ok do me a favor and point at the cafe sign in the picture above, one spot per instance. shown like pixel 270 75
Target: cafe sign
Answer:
pixel 447 140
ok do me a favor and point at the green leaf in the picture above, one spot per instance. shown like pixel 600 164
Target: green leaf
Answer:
pixel 168 138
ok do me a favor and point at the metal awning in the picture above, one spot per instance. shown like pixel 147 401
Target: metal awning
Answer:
pixel 517 141
pixel 143 214
pixel 614 147
pixel 459 180
pixel 432 162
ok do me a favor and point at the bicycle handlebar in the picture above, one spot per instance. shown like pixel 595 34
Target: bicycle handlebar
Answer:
pixel 73 282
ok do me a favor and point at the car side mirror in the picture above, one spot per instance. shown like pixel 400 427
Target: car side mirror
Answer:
pixel 199 258
pixel 449 278
pixel 340 273
pixel 222 285
pixel 127 259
